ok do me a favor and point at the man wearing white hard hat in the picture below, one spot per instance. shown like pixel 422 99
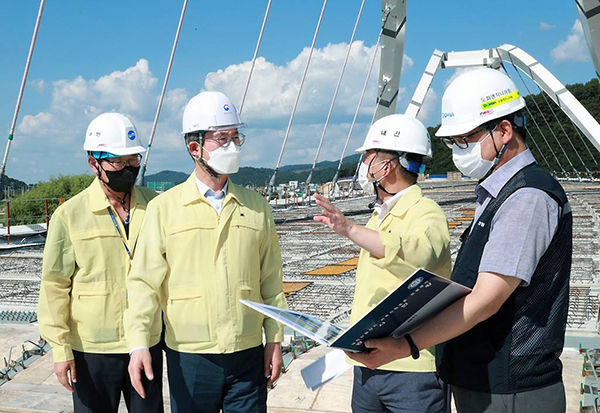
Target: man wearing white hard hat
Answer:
pixel 205 245
pixel 502 341
pixel 87 256
pixel 406 231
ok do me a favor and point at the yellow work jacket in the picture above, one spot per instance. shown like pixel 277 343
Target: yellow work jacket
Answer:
pixel 415 235
pixel 196 265
pixel 83 292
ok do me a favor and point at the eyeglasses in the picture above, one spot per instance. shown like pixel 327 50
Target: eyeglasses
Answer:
pixel 122 163
pixel 224 138
pixel 460 141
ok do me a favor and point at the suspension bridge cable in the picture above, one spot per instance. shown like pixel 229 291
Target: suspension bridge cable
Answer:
pixel 362 95
pixel 546 121
pixel 542 135
pixel 335 93
pixel 542 154
pixel 140 179
pixel 564 131
pixel 585 143
pixel 21 91
pixel 262 30
pixel 289 126
pixel 547 143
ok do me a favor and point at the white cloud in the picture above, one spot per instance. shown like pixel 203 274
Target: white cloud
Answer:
pixel 574 48
pixel 39 85
pixel 76 102
pixel 273 88
pixel 546 26
pixel 54 136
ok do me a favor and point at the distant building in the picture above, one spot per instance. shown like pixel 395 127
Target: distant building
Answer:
pixel 160 186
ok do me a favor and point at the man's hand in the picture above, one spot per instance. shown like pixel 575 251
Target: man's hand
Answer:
pixel 63 370
pixel 140 360
pixel 333 217
pixel 273 362
pixel 382 351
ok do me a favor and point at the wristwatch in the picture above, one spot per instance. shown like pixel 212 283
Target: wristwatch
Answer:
pixel 414 350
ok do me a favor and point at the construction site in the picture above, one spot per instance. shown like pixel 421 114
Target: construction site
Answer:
pixel 319 273
pixel 319 266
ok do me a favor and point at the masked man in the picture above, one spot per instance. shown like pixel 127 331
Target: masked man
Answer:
pixel 503 340
pixel 205 245
pixel 87 256
pixel 406 231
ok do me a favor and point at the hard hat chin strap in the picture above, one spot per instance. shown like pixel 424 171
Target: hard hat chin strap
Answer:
pixel 496 159
pixel 201 161
pixel 376 182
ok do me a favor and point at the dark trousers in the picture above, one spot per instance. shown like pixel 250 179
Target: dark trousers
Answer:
pixel 101 378
pixel 384 391
pixel 550 399
pixel 207 383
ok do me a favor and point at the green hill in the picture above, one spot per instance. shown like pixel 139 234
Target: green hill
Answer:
pixel 247 175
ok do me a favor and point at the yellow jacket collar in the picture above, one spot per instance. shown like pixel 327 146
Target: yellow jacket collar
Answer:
pixel 99 200
pixel 410 197
pixel 190 193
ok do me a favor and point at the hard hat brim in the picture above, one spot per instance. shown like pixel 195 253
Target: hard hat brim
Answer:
pixel 133 150
pixel 456 130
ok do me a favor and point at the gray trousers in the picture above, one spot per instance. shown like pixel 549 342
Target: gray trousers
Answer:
pixel 550 399
pixel 380 391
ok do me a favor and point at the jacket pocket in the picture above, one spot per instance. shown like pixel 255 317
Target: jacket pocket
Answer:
pixel 187 314
pixel 249 321
pixel 97 311
pixel 245 240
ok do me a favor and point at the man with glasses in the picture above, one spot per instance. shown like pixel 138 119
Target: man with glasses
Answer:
pixel 406 231
pixel 502 341
pixel 87 256
pixel 205 245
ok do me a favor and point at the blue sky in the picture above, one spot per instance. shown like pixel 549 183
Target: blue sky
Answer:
pixel 93 57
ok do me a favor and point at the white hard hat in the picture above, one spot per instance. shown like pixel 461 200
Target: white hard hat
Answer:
pixel 475 98
pixel 114 133
pixel 398 133
pixel 210 111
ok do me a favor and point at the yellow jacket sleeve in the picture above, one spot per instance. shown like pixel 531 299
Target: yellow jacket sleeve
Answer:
pixel 271 278
pixel 55 290
pixel 144 282
pixel 421 246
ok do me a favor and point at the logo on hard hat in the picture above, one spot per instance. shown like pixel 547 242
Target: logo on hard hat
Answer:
pixel 131 135
pixel 226 107
pixel 447 115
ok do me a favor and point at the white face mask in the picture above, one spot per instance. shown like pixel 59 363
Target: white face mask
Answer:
pixel 470 161
pixel 363 179
pixel 225 160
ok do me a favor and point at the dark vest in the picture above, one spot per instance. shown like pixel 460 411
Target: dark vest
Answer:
pixel 518 348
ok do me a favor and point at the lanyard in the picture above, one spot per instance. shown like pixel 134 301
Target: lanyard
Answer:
pixel 119 232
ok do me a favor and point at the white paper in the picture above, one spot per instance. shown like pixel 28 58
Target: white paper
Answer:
pixel 326 368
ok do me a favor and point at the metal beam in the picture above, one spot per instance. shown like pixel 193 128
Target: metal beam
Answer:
pixel 392 53
pixel 589 16
pixel 524 62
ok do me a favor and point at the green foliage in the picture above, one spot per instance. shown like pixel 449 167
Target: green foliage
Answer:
pixel 15 185
pixel 29 207
pixel 542 117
